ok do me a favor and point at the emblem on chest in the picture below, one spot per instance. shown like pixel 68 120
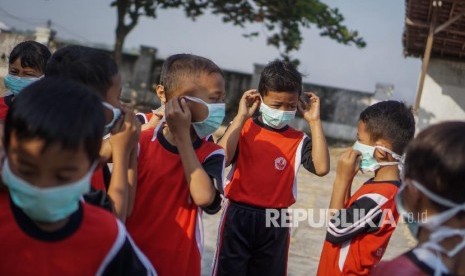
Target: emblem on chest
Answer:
pixel 280 163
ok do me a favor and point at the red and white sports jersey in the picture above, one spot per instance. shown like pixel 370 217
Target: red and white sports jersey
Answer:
pixel 93 242
pixel 357 238
pixel 264 173
pixel 5 103
pixel 165 222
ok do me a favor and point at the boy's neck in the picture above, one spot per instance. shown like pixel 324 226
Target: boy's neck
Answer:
pixel 170 137
pixel 387 173
pixel 52 226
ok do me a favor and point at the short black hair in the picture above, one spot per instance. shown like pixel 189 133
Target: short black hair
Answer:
pixel 280 76
pixel 436 159
pixel 92 67
pixel 59 111
pixel 390 120
pixel 32 54
pixel 181 66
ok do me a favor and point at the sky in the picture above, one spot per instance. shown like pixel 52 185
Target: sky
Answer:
pixel 323 61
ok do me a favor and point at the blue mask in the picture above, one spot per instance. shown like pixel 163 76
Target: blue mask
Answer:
pixel 369 163
pixel 276 118
pixel 116 115
pixel 216 113
pixel 15 84
pixel 45 204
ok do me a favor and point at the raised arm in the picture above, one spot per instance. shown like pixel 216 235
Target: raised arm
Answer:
pixel 311 113
pixel 347 167
pixel 178 118
pixel 123 141
pixel 247 106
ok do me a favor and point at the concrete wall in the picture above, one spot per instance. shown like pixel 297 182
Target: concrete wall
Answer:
pixel 443 96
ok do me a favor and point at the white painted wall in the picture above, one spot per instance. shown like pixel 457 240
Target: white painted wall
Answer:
pixel 443 95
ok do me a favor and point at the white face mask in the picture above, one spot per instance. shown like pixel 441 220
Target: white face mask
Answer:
pixel 276 118
pixel 434 224
pixel 116 115
pixel 216 113
pixel 369 163
pixel 46 204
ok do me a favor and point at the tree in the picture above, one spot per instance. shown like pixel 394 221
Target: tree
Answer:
pixel 283 19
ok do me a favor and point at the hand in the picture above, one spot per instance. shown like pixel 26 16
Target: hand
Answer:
pixel 125 134
pixel 348 165
pixel 178 117
pixel 248 104
pixel 311 110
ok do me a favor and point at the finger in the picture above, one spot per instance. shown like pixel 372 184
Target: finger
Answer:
pixel 354 155
pixel 133 120
pixel 311 94
pixel 184 106
pixel 254 106
pixel 118 126
pixel 250 91
pixel 303 102
pixel 158 114
pixel 175 107
pixel 301 107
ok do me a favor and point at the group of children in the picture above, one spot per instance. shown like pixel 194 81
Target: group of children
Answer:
pixel 62 211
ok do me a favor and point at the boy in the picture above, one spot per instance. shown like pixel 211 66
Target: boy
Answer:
pixel 26 65
pixel 361 225
pixel 97 70
pixel 52 141
pixel 178 170
pixel 266 154
pixel 431 201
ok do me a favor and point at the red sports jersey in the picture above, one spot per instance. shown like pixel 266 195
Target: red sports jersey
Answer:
pixel 165 223
pixel 144 117
pixel 264 173
pixel 97 180
pixel 5 103
pixel 354 246
pixel 93 242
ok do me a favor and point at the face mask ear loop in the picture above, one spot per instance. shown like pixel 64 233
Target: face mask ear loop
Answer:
pixel 197 100
pixel 439 219
pixel 393 154
pixel 434 197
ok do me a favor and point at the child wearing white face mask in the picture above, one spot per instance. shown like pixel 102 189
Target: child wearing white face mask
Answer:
pixel 52 140
pixel 432 201
pixel 266 153
pixel 180 174
pixel 26 64
pixel 362 223
pixel 99 71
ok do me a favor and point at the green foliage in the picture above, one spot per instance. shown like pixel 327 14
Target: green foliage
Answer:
pixel 283 19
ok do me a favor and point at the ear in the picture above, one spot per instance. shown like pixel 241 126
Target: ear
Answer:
pixel 160 90
pixel 381 154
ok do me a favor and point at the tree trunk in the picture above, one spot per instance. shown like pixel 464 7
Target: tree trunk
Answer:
pixel 119 43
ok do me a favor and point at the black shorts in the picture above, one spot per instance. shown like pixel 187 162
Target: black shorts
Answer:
pixel 246 246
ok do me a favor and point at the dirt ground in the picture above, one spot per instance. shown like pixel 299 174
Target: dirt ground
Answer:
pixel 306 242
